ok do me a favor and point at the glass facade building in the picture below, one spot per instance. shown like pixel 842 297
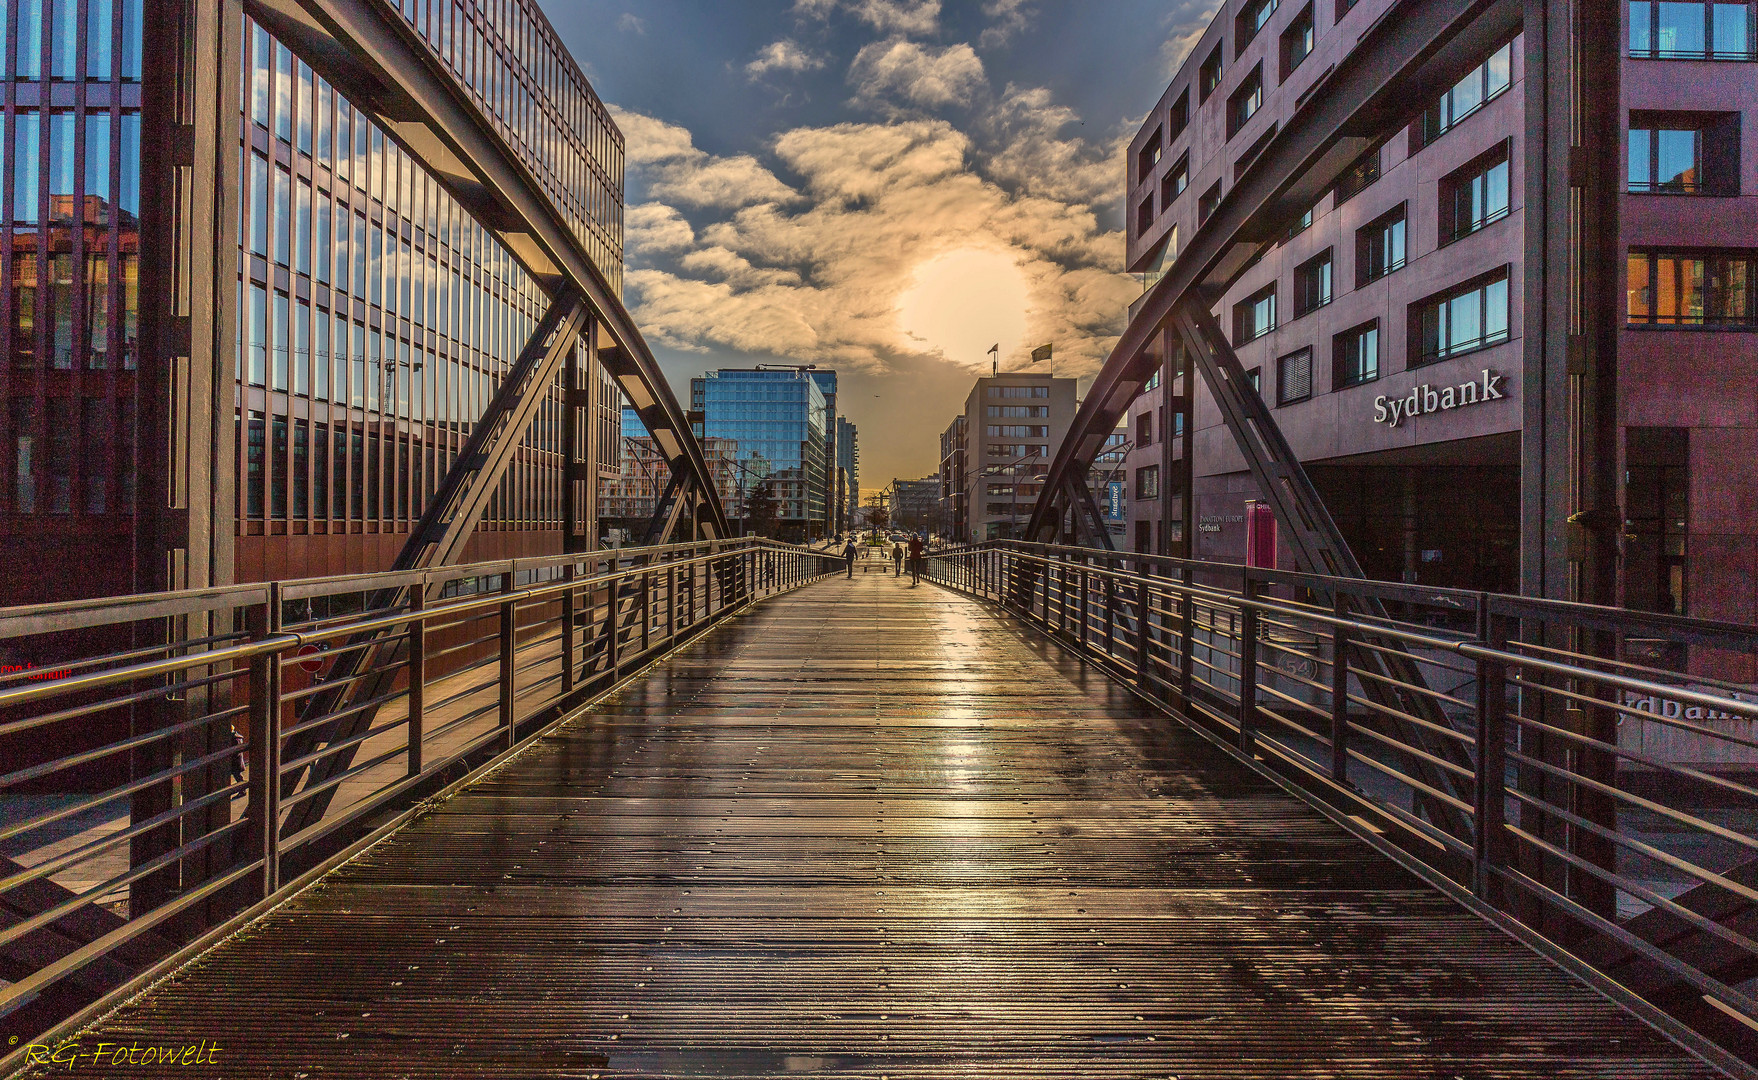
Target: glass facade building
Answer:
pixel 70 163
pixel 781 423
pixel 373 318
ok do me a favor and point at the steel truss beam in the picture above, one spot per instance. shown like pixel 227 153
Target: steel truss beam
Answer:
pixel 1416 50
pixel 381 64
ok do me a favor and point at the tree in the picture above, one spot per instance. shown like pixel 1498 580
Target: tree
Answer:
pixel 760 509
pixel 877 517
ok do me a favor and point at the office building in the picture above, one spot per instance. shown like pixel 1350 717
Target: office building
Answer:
pixel 848 460
pixel 953 508
pixel 915 504
pixel 1385 331
pixel 780 421
pixel 370 319
pixel 1012 425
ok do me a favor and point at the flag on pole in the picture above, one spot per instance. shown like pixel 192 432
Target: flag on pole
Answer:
pixel 995 359
pixel 1042 352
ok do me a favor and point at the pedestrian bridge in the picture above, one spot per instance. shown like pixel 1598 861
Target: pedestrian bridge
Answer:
pixel 725 811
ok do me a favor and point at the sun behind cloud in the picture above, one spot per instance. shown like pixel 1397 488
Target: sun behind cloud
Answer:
pixel 960 303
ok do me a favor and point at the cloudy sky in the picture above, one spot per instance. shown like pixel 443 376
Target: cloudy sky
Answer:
pixel 885 187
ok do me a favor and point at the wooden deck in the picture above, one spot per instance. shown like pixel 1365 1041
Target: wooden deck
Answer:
pixel 876 830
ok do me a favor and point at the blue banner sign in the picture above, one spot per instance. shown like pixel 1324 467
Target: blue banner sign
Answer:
pixel 1114 501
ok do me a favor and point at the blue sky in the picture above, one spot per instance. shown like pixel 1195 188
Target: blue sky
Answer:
pixel 886 187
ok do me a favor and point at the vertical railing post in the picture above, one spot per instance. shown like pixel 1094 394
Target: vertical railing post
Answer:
pixel 509 639
pixel 568 634
pixel 1248 618
pixel 1339 693
pixel 1110 614
pixel 265 748
pixel 644 603
pixel 1143 656
pixel 671 600
pixel 1085 588
pixel 1491 778
pixel 1186 636
pixel 613 617
pixel 418 673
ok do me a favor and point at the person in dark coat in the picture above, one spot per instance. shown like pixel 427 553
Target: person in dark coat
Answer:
pixel 897 559
pixel 915 559
pixel 848 555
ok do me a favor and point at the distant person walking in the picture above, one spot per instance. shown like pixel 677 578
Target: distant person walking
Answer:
pixel 915 559
pixel 848 555
pixel 897 559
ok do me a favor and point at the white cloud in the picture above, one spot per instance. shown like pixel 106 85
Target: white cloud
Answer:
pixel 1011 16
pixel 783 55
pixel 679 173
pixel 631 22
pixel 656 227
pixel 1037 154
pixel 899 16
pixel 1187 19
pixel 819 279
pixel 920 75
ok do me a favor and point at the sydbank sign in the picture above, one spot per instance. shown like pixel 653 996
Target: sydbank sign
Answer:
pixel 1427 399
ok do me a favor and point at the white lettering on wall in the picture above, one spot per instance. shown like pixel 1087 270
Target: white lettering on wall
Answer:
pixel 1426 399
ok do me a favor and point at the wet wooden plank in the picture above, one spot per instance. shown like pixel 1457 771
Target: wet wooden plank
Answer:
pixel 874 830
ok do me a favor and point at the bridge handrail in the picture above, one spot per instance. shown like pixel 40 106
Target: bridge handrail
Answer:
pixel 150 733
pixel 1552 849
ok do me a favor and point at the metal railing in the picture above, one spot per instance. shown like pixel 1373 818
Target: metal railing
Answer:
pixel 1555 767
pixel 173 760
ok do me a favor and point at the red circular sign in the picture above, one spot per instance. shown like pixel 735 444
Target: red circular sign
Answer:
pixel 313 653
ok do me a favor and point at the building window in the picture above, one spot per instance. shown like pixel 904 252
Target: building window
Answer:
pixel 1297 41
pixel 1380 246
pixel 1255 316
pixel 1657 470
pixel 1344 7
pixel 1246 100
pixel 1208 77
pixel 1361 176
pixel 1147 482
pixel 1709 290
pixel 1018 392
pixel 1180 118
pixel 1018 431
pixel 1670 30
pixel 1312 283
pixel 1251 19
pixel 1475 194
pixel 1148 157
pixel 1207 201
pixel 1693 154
pixel 1144 429
pixel 1175 181
pixel 1486 82
pixel 1017 412
pixel 1355 356
pixel 1294 377
pixel 1301 224
pixel 1144 215
pixel 1472 316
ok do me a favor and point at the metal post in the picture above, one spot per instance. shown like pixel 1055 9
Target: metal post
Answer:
pixel 1141 636
pixel 1110 614
pixel 671 601
pixel 265 747
pixel 1187 639
pixel 418 673
pixel 613 621
pixel 1491 778
pixel 1085 588
pixel 1248 616
pixel 568 635
pixel 644 603
pixel 1339 695
pixel 507 635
